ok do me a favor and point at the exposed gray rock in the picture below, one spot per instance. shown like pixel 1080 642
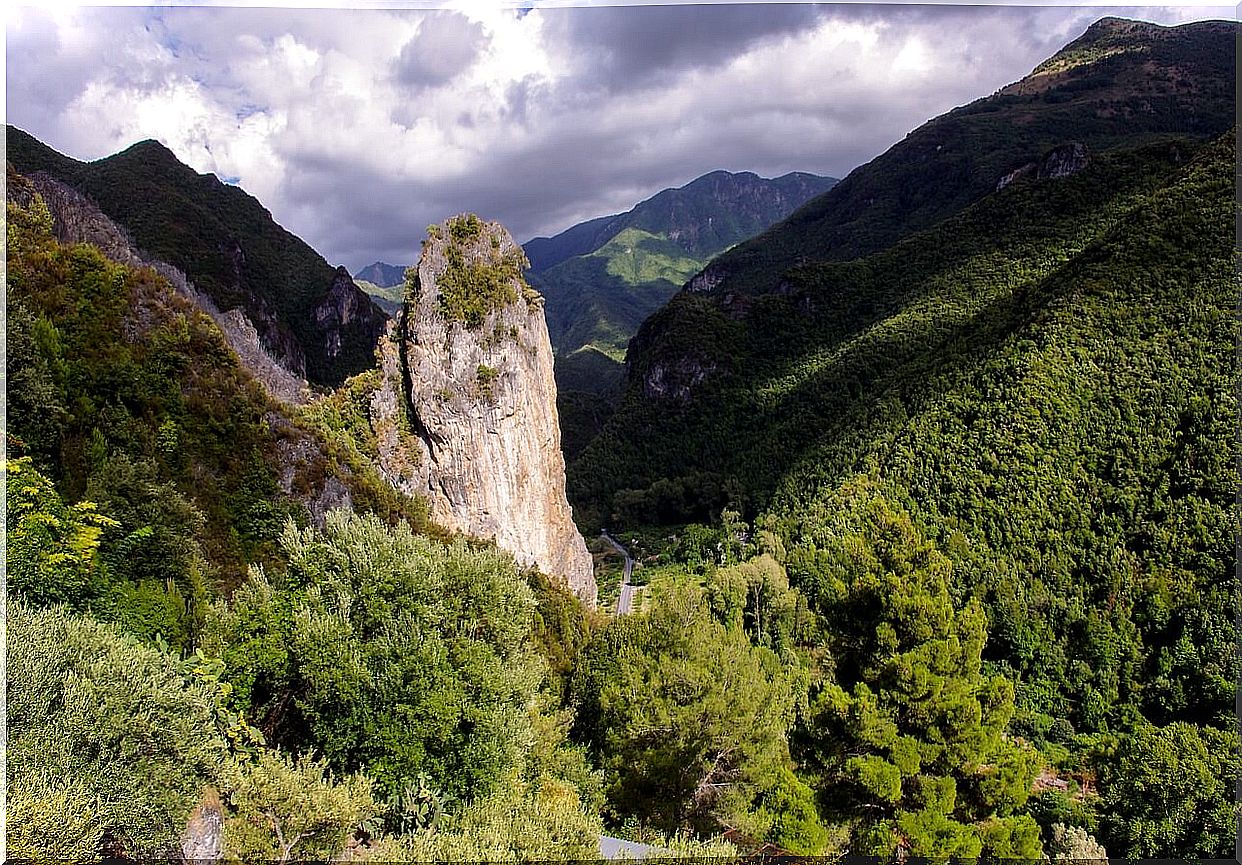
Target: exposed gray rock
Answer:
pixel 675 379
pixel 466 416
pixel 344 305
pixel 1064 160
pixel 707 279
pixel 203 839
pixel 1009 178
pixel 1061 161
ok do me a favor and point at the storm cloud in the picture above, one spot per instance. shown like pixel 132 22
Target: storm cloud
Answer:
pixel 358 128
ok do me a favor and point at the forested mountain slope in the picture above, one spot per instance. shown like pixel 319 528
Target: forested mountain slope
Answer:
pixel 310 316
pixel 125 394
pixel 1044 381
pixel 227 636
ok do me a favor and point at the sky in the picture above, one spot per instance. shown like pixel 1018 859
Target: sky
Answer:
pixel 357 128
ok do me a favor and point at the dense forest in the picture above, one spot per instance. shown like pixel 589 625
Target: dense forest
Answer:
pixel 935 542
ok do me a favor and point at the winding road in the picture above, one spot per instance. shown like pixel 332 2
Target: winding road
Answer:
pixel 625 603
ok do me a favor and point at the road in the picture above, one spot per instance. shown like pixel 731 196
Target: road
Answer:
pixel 625 603
pixel 619 848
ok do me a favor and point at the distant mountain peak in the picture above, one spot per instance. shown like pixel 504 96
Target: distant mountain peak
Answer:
pixel 382 274
pixel 706 215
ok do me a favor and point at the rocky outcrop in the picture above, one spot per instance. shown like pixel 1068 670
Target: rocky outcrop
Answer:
pixel 343 308
pixel 675 379
pixel 202 842
pixel 1061 161
pixel 466 415
pixel 76 219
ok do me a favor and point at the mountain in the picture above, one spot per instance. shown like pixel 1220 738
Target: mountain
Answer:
pixel 1039 371
pixel 310 316
pixel 1121 82
pixel 126 391
pixel 389 298
pixel 197 573
pixel 602 278
pixel 1059 127
pixel 381 274
pixel 385 283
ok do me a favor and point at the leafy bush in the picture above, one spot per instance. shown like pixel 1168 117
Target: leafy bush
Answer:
pixel 385 650
pixel 107 740
pixel 291 809
pixel 685 716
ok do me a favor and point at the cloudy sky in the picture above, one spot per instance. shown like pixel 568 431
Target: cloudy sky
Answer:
pixel 359 127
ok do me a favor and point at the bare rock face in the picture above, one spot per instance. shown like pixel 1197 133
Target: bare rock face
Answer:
pixel 1065 160
pixel 202 841
pixel 346 307
pixel 466 416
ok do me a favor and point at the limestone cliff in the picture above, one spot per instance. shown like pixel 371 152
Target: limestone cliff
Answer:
pixel 466 416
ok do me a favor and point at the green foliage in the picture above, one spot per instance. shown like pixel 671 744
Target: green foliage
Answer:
pixel 132 399
pixel 291 809
pixel 478 278
pixel 390 298
pixel 107 739
pixel 1075 844
pixel 388 651
pixel 463 229
pixel 756 594
pixel 1080 485
pixel 522 821
pixel 908 736
pixel 225 242
pixel 486 377
pixel 796 826
pixel 51 548
pixel 1168 791
pixel 687 718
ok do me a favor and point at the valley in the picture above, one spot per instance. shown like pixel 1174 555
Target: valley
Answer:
pixel 888 516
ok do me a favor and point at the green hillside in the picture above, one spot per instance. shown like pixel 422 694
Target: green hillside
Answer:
pixel 124 394
pixel 389 298
pixel 929 513
pixel 198 576
pixel 227 243
pixel 1045 384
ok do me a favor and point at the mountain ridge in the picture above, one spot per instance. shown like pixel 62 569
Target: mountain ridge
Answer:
pixel 227 243
pixel 1153 88
pixel 604 277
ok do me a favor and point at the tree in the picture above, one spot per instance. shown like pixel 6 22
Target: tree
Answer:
pixel 387 650
pixel 291 808
pixel 909 738
pixel 52 548
pixel 1168 791
pixel 687 718
pixel 107 739
pixel 1075 844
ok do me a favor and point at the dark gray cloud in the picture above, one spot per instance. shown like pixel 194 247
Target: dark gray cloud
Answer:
pixel 446 44
pixel 359 128
pixel 628 47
